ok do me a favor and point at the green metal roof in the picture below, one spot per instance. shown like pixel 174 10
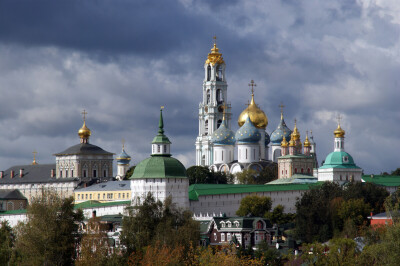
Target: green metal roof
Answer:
pixel 294 156
pixel 93 203
pixel 295 179
pixel 13 212
pixel 197 190
pixel 336 159
pixel 159 166
pixel 383 180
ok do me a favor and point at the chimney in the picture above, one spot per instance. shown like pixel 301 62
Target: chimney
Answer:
pixel 52 173
pixel 1 174
pixel 12 174
pixel 21 172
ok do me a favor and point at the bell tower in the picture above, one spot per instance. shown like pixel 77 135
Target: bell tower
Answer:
pixel 211 107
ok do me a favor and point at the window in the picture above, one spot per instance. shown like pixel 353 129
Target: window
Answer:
pixel 215 236
pixel 105 173
pixel 308 170
pixel 259 225
pixel 104 195
pixel 86 196
pixel 222 237
pixel 208 73
pixel 60 173
pixel 90 196
pixel 228 237
pixel 208 96
pixel 165 148
pixel 229 224
pixel 98 196
pixel 66 173
pixel 119 195
pixel 72 173
pixel 222 155
pixel 123 195
pixel 206 127
pixel 246 153
pixel 94 173
pixel 295 170
pixel 79 196
pixel 158 148
pixel 254 153
pixel 84 173
pixel 21 205
pixel 302 170
pixel 219 122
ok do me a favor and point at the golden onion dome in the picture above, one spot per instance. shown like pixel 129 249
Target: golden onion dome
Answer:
pixel 257 116
pixel 296 133
pixel 339 132
pixel 307 142
pixel 84 132
pixel 284 143
pixel 292 143
pixel 215 57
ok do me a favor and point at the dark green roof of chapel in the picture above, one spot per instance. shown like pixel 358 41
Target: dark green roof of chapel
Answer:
pixel 159 166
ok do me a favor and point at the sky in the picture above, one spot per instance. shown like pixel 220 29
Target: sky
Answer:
pixel 121 60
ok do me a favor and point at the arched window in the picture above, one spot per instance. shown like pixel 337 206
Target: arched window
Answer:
pixel 308 170
pixel 208 73
pixel 219 96
pixel 206 127
pixel 302 170
pixel 208 96
pixel 219 73
pixel 222 155
pixel 246 153
pixel 295 170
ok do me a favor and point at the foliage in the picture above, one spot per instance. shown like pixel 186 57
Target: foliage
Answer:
pixel 396 172
pixel 254 205
pixel 340 251
pixel 157 255
pixel 156 222
pixel 50 233
pixel 324 211
pixel 129 173
pixel 392 206
pixel 203 175
pixel 277 216
pixel 6 242
pixel 252 177
pixel 94 244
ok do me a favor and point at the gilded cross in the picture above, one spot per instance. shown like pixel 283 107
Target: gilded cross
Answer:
pixel 281 106
pixel 252 85
pixel 162 106
pixel 84 114
pixel 34 157
pixel 215 39
pixel 123 143
pixel 248 103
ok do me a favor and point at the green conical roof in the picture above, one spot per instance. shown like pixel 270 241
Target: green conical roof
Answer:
pixel 161 138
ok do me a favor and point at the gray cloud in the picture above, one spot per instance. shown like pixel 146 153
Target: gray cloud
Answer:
pixel 121 60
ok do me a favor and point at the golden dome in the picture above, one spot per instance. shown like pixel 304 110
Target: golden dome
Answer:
pixel 307 142
pixel 292 142
pixel 257 116
pixel 215 57
pixel 296 133
pixel 339 132
pixel 284 143
pixel 84 132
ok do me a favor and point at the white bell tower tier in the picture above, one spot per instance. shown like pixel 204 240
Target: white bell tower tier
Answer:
pixel 211 108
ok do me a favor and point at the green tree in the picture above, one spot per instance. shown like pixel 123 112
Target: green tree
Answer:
pixel 277 216
pixel 371 193
pixel 129 173
pixel 6 242
pixel 253 177
pixel 203 175
pixel 155 222
pixel 313 213
pixel 50 233
pixel 356 210
pixel 396 172
pixel 254 205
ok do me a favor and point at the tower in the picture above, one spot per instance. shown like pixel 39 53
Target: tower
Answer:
pixel 123 160
pixel 277 137
pixel 211 107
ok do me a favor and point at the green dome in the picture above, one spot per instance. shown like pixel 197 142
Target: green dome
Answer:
pixel 159 167
pixel 339 159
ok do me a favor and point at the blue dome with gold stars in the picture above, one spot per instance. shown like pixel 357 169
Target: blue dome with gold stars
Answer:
pixel 248 133
pixel 280 131
pixel 123 157
pixel 267 139
pixel 223 135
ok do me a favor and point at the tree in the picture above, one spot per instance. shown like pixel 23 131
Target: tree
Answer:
pixel 277 216
pixel 203 175
pixel 155 222
pixel 371 193
pixel 50 234
pixel 396 172
pixel 253 177
pixel 6 242
pixel 129 173
pixel 253 205
pixel 355 210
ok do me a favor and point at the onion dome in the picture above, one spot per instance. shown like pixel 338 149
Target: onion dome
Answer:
pixel 223 135
pixel 296 133
pixel 307 142
pixel 281 131
pixel 84 132
pixel 292 142
pixel 123 157
pixel 267 139
pixel 159 167
pixel 339 132
pixel 284 143
pixel 215 57
pixel 339 159
pixel 248 133
pixel 257 116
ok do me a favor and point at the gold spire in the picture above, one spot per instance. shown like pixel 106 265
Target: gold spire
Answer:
pixel 84 132
pixel 34 158
pixel 215 57
pixel 257 116
pixel 296 133
pixel 284 143
pixel 339 132
pixel 307 141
